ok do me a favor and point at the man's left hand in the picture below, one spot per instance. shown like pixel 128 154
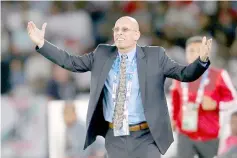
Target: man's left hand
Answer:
pixel 205 49
pixel 208 104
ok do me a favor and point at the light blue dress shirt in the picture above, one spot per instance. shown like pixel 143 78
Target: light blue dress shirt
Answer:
pixel 135 107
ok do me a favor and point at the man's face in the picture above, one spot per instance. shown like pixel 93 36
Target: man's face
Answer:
pixel 192 51
pixel 125 34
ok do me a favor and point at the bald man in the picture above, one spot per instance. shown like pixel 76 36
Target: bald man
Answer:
pixel 127 103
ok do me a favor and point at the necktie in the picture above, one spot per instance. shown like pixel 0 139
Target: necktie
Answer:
pixel 121 95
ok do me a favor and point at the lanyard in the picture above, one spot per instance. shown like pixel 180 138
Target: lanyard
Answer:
pixel 200 92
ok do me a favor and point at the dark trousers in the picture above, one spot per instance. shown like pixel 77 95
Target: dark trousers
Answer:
pixel 187 148
pixel 139 144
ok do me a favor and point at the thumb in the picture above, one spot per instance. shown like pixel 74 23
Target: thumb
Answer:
pixel 204 40
pixel 44 26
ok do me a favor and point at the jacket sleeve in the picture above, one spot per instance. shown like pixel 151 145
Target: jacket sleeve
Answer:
pixel 65 60
pixel 179 72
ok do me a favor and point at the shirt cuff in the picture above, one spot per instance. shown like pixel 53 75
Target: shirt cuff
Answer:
pixel 37 48
pixel 204 64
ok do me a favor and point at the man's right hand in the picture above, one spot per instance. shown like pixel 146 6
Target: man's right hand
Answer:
pixel 36 35
pixel 173 125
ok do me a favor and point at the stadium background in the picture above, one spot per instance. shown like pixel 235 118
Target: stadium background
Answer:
pixel 29 81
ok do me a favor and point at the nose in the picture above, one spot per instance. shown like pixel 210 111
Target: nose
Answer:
pixel 120 32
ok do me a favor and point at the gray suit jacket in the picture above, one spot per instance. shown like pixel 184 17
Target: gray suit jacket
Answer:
pixel 153 67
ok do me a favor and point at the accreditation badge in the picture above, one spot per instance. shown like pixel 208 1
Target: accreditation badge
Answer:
pixel 190 117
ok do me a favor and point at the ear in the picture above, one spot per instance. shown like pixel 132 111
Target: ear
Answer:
pixel 137 35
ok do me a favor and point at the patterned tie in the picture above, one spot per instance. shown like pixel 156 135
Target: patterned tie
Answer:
pixel 121 96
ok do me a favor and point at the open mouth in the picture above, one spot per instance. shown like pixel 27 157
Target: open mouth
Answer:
pixel 120 39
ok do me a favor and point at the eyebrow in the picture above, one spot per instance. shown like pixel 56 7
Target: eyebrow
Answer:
pixel 121 27
pixel 126 27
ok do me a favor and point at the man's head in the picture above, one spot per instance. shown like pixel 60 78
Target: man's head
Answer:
pixel 126 33
pixel 233 123
pixel 192 48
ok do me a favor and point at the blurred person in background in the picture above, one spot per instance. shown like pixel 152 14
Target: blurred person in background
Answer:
pixel 15 62
pixel 230 148
pixel 232 65
pixel 17 74
pixel 74 128
pixel 196 107
pixel 147 133
pixel 15 16
pixel 5 71
pixel 224 30
pixel 36 77
pixel 61 86
pixel 75 136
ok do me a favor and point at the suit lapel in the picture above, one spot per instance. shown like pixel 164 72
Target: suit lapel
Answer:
pixel 106 68
pixel 141 70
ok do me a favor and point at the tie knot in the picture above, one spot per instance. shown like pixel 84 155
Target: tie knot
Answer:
pixel 124 56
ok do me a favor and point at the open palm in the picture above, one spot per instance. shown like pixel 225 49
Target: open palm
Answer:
pixel 205 49
pixel 35 34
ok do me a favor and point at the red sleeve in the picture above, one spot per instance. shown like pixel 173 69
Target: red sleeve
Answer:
pixel 175 99
pixel 226 89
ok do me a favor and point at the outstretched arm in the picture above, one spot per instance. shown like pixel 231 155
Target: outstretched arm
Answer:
pixel 65 60
pixel 188 73
pixel 58 56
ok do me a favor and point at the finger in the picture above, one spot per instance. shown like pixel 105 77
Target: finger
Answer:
pixel 209 43
pixel 204 40
pixel 29 28
pixel 30 32
pixel 33 25
pixel 30 24
pixel 44 26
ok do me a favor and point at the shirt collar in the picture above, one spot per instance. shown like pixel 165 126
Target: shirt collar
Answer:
pixel 130 54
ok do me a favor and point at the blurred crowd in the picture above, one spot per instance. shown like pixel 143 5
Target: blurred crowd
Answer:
pixel 29 81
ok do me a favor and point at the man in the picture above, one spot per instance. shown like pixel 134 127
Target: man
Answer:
pixel 75 135
pixel 196 107
pixel 74 127
pixel 127 103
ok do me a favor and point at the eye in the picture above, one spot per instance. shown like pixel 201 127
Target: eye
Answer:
pixel 115 29
pixel 125 29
